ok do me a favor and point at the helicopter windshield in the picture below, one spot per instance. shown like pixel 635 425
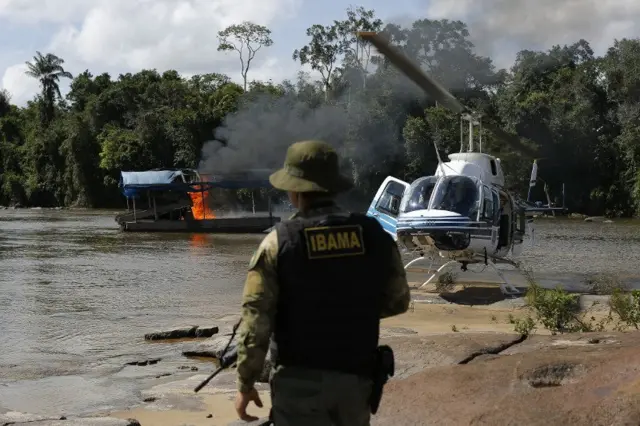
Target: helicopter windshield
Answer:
pixel 459 194
pixel 418 195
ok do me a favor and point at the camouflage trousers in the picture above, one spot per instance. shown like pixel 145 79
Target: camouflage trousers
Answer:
pixel 302 397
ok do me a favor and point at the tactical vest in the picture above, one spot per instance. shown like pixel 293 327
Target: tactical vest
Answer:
pixel 331 270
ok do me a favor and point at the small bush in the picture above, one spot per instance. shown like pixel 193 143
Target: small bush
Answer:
pixel 559 311
pixel 524 326
pixel 446 282
pixel 627 307
pixel 605 284
pixel 556 310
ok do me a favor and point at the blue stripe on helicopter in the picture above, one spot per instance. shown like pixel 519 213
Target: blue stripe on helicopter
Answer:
pixel 444 223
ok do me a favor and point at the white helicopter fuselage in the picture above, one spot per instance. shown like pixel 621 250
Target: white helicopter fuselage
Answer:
pixel 462 212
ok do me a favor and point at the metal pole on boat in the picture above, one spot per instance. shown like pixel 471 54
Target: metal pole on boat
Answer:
pixel 155 210
pixel 135 219
pixel 204 210
pixel 253 201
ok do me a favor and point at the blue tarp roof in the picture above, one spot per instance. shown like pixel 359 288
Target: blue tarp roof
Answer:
pixel 161 180
pixel 152 177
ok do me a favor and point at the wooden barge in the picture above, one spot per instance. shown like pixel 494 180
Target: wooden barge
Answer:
pixel 175 200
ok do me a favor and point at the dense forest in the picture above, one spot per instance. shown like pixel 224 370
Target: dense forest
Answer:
pixel 581 110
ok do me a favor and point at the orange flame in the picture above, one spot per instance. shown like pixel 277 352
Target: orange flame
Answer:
pixel 200 207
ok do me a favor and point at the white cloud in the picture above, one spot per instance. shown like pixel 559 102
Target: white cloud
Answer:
pixel 127 35
pixel 20 86
pixel 38 11
pixel 502 27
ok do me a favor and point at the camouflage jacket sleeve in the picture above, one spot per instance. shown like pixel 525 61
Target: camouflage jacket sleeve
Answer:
pixel 258 312
pixel 396 293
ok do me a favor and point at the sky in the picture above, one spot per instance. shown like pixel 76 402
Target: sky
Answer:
pixel 118 36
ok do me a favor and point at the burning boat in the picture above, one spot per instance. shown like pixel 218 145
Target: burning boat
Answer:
pixel 178 200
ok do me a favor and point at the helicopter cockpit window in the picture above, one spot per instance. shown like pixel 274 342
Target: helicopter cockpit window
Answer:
pixel 459 194
pixel 494 168
pixel 418 194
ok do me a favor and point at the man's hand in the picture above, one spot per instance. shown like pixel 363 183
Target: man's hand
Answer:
pixel 242 400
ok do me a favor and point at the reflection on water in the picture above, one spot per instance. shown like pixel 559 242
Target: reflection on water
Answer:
pixel 77 295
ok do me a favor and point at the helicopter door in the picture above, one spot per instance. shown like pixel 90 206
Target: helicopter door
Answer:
pixel 385 206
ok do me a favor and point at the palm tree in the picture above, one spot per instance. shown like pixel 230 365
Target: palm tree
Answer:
pixel 48 70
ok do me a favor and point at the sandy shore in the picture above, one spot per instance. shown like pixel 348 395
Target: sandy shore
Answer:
pixel 212 410
pixel 428 315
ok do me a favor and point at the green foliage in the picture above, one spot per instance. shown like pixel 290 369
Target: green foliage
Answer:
pixel 560 312
pixel 523 326
pixel 556 310
pixel 581 110
pixel 627 307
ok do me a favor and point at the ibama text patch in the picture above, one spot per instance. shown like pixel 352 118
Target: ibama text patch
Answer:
pixel 334 241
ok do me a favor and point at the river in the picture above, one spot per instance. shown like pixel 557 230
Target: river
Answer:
pixel 77 296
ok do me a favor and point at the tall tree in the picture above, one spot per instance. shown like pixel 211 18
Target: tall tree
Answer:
pixel 48 70
pixel 239 37
pixel 357 52
pixel 322 53
pixel 337 44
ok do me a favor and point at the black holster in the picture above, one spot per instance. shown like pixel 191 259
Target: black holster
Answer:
pixel 384 368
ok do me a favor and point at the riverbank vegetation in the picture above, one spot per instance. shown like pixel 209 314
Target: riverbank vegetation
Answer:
pixel 582 110
pixel 559 311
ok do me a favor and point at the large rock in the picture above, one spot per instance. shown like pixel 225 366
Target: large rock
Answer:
pixel 213 348
pixel 415 353
pixel 412 354
pixel 583 379
pixel 182 333
pixel 481 379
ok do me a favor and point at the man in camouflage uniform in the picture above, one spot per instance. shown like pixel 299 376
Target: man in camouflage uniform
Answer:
pixel 320 282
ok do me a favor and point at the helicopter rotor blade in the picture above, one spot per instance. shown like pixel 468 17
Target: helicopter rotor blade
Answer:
pixel 433 88
pixel 413 71
pixel 514 141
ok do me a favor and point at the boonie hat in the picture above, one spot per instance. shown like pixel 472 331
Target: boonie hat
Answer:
pixel 310 166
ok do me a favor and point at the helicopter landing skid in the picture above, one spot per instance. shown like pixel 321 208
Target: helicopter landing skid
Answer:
pixel 507 288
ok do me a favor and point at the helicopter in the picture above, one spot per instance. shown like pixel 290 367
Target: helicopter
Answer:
pixel 463 212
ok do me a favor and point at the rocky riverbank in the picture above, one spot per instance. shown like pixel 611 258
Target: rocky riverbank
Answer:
pixel 458 362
